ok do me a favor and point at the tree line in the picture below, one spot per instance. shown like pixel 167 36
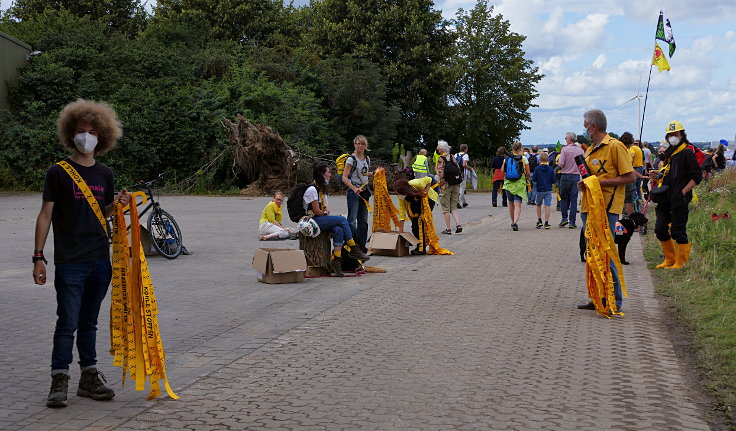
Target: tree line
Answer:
pixel 397 72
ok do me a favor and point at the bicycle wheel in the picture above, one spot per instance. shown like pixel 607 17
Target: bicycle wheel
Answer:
pixel 165 233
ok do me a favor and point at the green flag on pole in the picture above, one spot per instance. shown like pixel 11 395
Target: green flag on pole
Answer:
pixel 664 31
pixel 558 147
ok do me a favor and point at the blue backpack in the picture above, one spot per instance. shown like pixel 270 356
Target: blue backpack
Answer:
pixel 459 160
pixel 513 168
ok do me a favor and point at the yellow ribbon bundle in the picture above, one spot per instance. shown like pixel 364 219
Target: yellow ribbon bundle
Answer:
pixel 426 221
pixel 600 249
pixel 135 340
pixel 385 211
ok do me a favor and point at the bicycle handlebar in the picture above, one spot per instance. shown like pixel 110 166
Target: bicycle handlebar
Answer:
pixel 148 184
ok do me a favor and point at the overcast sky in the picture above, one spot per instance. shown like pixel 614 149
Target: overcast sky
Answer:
pixel 593 55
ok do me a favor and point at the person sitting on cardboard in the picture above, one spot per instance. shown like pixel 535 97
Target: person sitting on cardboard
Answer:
pixel 270 226
pixel 410 194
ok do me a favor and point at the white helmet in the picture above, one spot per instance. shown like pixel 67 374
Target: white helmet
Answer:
pixel 308 227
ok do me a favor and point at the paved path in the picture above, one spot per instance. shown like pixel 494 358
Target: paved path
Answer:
pixel 487 339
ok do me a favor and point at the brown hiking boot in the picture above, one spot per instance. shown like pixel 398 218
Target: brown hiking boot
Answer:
pixel 59 388
pixel 358 254
pixel 91 386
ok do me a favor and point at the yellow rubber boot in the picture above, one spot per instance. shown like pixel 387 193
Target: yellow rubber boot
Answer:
pixel 668 248
pixel 682 256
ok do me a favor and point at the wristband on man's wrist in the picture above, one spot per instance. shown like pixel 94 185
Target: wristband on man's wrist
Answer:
pixel 38 255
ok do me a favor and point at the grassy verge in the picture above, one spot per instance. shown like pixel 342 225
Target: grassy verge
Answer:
pixel 703 293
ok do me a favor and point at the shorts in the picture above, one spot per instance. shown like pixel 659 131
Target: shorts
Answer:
pixel 629 196
pixel 449 198
pixel 512 197
pixel 544 198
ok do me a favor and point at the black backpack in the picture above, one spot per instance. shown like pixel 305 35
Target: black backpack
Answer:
pixel 452 173
pixel 533 161
pixel 295 203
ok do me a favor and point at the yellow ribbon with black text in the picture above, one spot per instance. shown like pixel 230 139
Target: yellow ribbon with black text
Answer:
pixel 135 339
pixel 600 249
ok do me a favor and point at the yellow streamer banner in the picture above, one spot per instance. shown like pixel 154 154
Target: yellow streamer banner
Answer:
pixel 385 211
pixel 600 249
pixel 135 340
pixel 427 230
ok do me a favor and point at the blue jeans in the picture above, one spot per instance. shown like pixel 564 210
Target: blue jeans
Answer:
pixel 357 218
pixel 569 196
pixel 617 293
pixel 80 289
pixel 336 225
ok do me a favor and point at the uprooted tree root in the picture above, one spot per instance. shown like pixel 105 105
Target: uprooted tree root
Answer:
pixel 259 151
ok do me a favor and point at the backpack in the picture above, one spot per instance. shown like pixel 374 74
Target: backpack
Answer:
pixel 459 160
pixel 295 203
pixel 340 166
pixel 451 172
pixel 699 155
pixel 514 167
pixel 533 161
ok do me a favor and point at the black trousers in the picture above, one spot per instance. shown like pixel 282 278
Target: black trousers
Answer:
pixel 416 208
pixel 677 217
pixel 494 196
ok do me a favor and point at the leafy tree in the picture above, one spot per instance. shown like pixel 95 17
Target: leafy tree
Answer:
pixel 494 82
pixel 244 21
pixel 356 95
pixel 120 15
pixel 411 43
pixel 170 93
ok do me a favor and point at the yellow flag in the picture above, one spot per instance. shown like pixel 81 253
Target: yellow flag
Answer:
pixel 659 59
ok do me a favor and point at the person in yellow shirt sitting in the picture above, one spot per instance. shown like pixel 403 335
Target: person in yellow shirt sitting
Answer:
pixel 270 226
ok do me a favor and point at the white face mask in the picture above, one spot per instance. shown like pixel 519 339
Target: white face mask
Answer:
pixel 85 142
pixel 673 140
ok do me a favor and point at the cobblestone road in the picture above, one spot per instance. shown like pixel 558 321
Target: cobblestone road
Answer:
pixel 487 339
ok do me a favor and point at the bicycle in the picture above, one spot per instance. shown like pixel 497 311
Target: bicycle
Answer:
pixel 163 230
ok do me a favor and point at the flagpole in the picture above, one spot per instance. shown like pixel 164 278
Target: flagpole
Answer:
pixel 646 95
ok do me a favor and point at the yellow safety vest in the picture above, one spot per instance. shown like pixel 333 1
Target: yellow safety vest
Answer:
pixel 420 164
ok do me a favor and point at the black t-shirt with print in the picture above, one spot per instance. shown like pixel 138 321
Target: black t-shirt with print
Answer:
pixel 78 235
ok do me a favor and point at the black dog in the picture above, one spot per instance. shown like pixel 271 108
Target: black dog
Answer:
pixel 623 234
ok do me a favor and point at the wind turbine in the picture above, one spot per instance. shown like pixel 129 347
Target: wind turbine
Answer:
pixel 638 97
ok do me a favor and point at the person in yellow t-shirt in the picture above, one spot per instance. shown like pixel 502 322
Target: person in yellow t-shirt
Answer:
pixel 633 190
pixel 411 193
pixel 610 161
pixel 270 225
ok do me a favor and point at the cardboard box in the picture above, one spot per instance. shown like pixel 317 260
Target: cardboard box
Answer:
pixel 392 243
pixel 278 265
pixel 148 248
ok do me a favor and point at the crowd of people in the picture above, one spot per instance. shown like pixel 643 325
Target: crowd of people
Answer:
pixel 79 193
